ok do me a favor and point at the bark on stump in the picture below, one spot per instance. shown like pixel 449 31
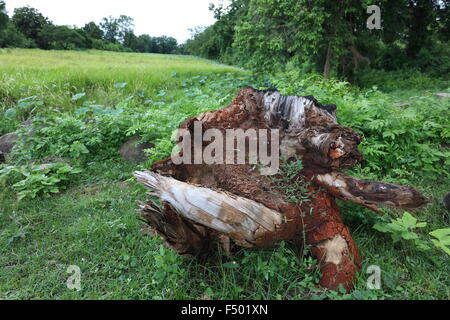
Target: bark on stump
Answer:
pixel 235 204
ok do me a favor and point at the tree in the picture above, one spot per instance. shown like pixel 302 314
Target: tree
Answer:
pixel 215 42
pixel 29 28
pixel 110 29
pixel 223 32
pixel 61 38
pixel 4 19
pixel 125 25
pixel 202 43
pixel 145 43
pixel 324 36
pixel 272 33
pixel 443 20
pixel 12 38
pixel 115 29
pixel 29 21
pixel 130 40
pixel 9 35
pixel 93 30
pixel 275 33
pixel 418 34
pixel 165 44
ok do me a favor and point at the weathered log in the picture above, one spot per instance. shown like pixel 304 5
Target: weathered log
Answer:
pixel 369 194
pixel 206 203
pixel 243 220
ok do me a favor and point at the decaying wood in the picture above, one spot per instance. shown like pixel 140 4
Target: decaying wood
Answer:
pixel 194 217
pixel 204 204
pixel 243 220
pixel 369 194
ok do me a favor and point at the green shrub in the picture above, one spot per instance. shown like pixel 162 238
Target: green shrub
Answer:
pixel 442 239
pixel 434 61
pixel 404 229
pixel 38 180
pixel 408 79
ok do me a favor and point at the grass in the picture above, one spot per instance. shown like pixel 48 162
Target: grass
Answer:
pixel 55 76
pixel 94 224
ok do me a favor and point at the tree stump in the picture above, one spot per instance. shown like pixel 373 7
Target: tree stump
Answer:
pixel 232 202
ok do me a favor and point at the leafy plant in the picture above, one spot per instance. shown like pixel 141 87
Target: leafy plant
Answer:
pixel 37 180
pixel 120 85
pixel 168 269
pixel 404 229
pixel 78 96
pixel 23 107
pixel 442 240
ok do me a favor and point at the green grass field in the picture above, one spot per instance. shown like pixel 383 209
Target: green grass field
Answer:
pixel 85 104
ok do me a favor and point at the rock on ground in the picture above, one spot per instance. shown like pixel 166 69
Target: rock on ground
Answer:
pixel 133 151
pixel 447 201
pixel 442 95
pixel 7 142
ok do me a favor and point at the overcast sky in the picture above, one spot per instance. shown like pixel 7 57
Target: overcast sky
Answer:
pixel 154 17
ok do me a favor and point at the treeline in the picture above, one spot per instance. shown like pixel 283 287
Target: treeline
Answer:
pixel 28 28
pixel 328 36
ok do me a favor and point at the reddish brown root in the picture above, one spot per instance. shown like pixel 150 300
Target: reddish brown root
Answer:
pixel 331 242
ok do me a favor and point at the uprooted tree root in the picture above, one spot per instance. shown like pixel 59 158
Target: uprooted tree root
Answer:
pixel 236 204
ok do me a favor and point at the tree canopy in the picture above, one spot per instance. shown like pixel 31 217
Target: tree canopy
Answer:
pixel 327 36
pixel 3 16
pixel 29 28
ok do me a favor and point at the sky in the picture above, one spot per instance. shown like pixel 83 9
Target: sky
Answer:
pixel 154 17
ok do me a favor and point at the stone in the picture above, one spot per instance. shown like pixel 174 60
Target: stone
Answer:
pixel 442 95
pixel 133 151
pixel 27 123
pixel 7 142
pixel 447 201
